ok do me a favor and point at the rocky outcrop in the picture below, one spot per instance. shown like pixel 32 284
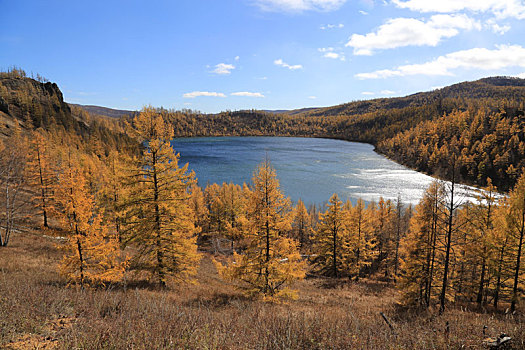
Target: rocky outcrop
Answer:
pixel 34 104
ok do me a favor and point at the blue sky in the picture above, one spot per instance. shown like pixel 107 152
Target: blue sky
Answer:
pixel 214 55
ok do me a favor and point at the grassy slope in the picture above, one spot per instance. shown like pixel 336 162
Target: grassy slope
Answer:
pixel 37 311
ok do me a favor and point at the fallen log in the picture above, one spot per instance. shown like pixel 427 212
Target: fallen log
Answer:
pixel 497 342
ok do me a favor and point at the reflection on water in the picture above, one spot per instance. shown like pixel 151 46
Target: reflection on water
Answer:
pixel 310 169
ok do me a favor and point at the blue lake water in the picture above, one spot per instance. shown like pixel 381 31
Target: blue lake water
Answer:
pixel 307 168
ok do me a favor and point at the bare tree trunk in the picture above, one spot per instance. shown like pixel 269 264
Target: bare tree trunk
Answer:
pixel 443 294
pixel 500 268
pixel 518 261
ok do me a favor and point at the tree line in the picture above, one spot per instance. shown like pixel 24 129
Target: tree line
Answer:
pixel 143 216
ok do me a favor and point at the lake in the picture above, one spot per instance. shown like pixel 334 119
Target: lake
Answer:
pixel 308 168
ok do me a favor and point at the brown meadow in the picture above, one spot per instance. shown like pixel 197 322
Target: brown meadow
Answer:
pixel 38 312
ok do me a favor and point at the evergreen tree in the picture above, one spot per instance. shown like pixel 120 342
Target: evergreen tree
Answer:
pixel 271 262
pixel 331 240
pixel 420 248
pixel 301 226
pixel 516 226
pixel 159 220
pixel 91 255
pixel 41 175
pixel 361 239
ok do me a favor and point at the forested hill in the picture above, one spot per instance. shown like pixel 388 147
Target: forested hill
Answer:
pixel 104 111
pixel 499 88
pixel 31 104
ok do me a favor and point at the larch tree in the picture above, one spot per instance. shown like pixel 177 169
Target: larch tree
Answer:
pixel 500 261
pixel 516 226
pixel 218 215
pixel 451 227
pixel 234 206
pixel 113 193
pixel 420 248
pixel 480 221
pixel 331 240
pixel 362 242
pixel 159 220
pixel 41 175
pixel 198 207
pixel 301 228
pixel 383 226
pixel 92 256
pixel 400 226
pixel 271 261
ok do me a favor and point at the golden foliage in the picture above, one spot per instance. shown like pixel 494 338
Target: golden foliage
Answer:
pixel 271 262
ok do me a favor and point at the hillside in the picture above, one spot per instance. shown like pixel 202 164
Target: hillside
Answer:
pixel 104 111
pixel 487 88
pixel 31 104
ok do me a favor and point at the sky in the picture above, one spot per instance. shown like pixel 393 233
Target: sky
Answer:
pixel 217 55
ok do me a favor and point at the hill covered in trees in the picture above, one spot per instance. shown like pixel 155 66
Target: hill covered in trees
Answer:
pixel 32 104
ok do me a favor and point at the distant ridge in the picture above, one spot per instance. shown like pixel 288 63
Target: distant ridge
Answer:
pixel 292 111
pixel 105 111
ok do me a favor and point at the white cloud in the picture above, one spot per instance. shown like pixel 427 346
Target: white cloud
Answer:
pixel 367 93
pixel 496 28
pixel 387 92
pixel 335 56
pixel 280 63
pixel 329 53
pixel 331 26
pixel 499 8
pixel 364 13
pixel 312 97
pixel 223 68
pixel 247 94
pixel 203 93
pixel 237 58
pixel 399 32
pixel 503 56
pixel 299 5
pixel 521 75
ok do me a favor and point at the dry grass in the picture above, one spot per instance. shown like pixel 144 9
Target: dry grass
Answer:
pixel 37 311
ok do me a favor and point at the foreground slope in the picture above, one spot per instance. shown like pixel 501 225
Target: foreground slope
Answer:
pixel 36 311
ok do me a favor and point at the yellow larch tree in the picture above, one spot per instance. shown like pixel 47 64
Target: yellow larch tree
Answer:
pixel 198 207
pixel 516 230
pixel 92 256
pixel 361 239
pixel 41 175
pixel 112 191
pixel 480 234
pixel 301 225
pixel 420 248
pixel 271 262
pixel 159 220
pixel 331 240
